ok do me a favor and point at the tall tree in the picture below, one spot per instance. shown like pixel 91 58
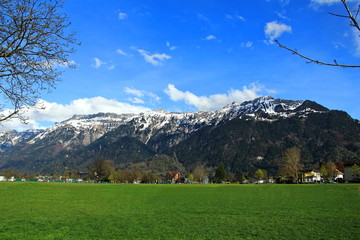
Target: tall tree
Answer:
pixel 220 173
pixel 323 172
pixel 355 172
pixel 200 173
pixel 135 174
pixel 34 41
pixel 102 170
pixel 114 177
pixel 331 170
pixel 9 173
pixel 290 163
pixel 260 174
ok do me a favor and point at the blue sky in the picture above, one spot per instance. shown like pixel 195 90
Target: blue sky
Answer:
pixel 139 55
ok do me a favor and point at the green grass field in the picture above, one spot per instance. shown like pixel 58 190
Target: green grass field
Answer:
pixel 109 211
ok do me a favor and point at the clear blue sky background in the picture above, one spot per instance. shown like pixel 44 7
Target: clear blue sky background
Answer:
pixel 138 55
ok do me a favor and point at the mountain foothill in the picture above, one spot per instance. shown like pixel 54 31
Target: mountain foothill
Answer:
pixel 243 137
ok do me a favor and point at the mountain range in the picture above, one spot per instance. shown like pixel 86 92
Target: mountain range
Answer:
pixel 244 137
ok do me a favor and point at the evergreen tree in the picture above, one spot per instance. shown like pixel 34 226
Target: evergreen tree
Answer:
pixel 220 173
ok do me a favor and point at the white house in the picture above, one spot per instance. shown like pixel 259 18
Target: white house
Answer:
pixel 312 177
pixel 338 175
pixel 3 179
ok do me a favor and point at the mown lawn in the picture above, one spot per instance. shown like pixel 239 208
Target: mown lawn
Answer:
pixel 109 211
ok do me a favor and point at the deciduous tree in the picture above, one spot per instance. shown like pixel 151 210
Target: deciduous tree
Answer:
pixel 260 174
pixel 34 41
pixel 290 163
pixel 102 169
pixel 200 173
pixel 9 173
pixel 331 170
pixel 355 172
pixel 114 177
pixel 323 172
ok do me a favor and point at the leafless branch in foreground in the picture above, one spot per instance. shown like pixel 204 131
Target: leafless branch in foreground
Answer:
pixel 353 23
pixel 34 42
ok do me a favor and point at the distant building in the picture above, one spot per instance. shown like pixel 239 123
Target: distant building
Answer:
pixel 174 177
pixel 338 175
pixel 312 176
pixel 349 177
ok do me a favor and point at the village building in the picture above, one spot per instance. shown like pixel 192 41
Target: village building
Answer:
pixel 349 177
pixel 312 176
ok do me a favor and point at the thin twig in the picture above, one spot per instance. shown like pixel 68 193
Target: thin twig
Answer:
pixel 9 116
pixel 353 19
pixel 310 60
pixel 353 23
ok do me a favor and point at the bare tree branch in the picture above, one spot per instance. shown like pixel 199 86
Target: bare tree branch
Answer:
pixel 34 40
pixel 353 23
pixel 9 116
pixel 352 18
pixel 311 60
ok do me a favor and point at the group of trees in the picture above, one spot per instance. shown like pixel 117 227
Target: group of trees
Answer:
pixel 104 171
pixel 221 175
pixel 290 170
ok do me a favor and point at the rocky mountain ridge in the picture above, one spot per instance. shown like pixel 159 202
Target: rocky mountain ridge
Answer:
pixel 88 128
pixel 131 138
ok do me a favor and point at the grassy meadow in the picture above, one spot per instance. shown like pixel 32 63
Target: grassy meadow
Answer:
pixel 124 211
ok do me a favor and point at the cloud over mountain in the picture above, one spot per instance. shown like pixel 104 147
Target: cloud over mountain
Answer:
pixel 54 112
pixel 214 101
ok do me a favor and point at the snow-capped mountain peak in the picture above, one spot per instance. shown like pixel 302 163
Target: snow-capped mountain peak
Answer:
pixel 84 129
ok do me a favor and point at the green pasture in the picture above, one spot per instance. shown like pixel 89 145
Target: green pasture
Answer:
pixel 126 211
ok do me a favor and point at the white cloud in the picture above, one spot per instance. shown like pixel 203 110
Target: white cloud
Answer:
pixel 202 17
pixel 315 4
pixel 235 17
pixel 121 52
pixel 140 94
pixel 275 29
pixel 55 112
pixel 210 37
pixel 284 2
pixel 66 64
pixel 136 100
pixel 338 45
pixel 133 91
pixel 122 15
pixel 281 15
pixel 172 48
pixel 111 67
pixel 215 101
pixel 156 59
pixel 247 44
pixel 97 63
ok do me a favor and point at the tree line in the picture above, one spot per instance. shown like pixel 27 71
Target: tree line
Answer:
pixel 290 171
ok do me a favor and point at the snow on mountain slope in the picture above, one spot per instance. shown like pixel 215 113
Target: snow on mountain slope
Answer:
pixel 84 129
pixel 12 137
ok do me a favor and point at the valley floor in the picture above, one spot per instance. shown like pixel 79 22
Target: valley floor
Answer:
pixel 127 211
